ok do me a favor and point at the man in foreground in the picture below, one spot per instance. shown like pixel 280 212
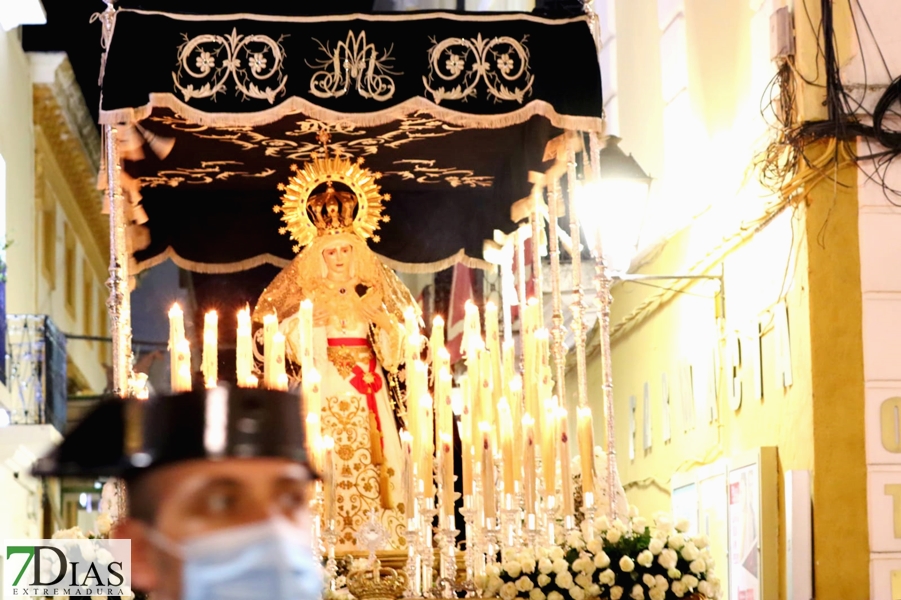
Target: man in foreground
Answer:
pixel 217 486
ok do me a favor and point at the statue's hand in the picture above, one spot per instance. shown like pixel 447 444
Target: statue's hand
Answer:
pixel 321 315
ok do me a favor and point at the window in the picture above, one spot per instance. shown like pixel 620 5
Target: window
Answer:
pixel 48 236
pixel 87 303
pixel 71 266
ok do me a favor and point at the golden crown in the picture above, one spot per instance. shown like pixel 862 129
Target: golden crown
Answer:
pixel 307 213
pixel 376 584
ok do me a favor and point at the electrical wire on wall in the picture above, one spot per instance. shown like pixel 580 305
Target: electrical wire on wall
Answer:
pixel 779 166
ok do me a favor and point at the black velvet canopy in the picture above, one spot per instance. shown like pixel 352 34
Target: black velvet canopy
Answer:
pixel 454 110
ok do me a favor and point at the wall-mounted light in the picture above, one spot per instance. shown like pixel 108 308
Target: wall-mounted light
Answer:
pixel 14 13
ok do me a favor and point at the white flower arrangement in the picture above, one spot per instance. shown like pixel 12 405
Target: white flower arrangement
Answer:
pixel 632 561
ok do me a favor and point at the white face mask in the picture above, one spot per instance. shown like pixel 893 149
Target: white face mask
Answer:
pixel 271 559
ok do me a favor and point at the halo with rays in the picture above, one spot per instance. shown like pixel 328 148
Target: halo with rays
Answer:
pixel 360 180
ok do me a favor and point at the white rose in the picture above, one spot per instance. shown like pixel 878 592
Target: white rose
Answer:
pixel 616 592
pixel 626 564
pixel 556 553
pixel 577 593
pixel 663 522
pixel 601 560
pixel 513 569
pixel 492 570
pixel 508 591
pixel 564 580
pixel 481 582
pixel 690 581
pixel 528 565
pixel 674 574
pixel 690 552
pixel 705 589
pixel 544 580
pixel 697 566
pixel 104 524
pixel 602 524
pixel 545 566
pixel 637 592
pixel 678 589
pixel 594 590
pixel 595 546
pixel 541 553
pixel 655 546
pixel 607 577
pixel 639 524
pixel 580 565
pixel 537 594
pixel 675 541
pixel 494 583
pixel 657 594
pixel 620 526
pixel 682 525
pixel 555 596
pixel 574 540
pixel 701 541
pixel 583 581
pixel 648 580
pixel 661 582
pixel 613 535
pixel 668 559
pixel 633 511
pixel 524 584
pixel 645 558
pixel 561 566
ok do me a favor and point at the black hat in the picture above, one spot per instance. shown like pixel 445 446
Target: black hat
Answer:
pixel 121 438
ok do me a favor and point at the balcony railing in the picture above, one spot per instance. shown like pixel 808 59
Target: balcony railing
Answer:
pixel 36 371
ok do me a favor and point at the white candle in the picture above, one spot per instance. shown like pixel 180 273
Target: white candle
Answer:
pixel 279 377
pixel 270 327
pixel 530 474
pixel 244 350
pixel 176 334
pixel 306 335
pixel 406 443
pixel 183 368
pixel 210 358
pixel 488 474
pixel 328 445
pixel 566 480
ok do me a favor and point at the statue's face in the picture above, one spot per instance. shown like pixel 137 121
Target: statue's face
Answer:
pixel 338 259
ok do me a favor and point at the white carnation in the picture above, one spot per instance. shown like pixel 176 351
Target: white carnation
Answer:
pixel 655 546
pixel 580 565
pixel 637 592
pixel 576 593
pixel 690 552
pixel 564 580
pixel 626 564
pixel 544 580
pixel 601 560
pixel 524 584
pixel 613 535
pixel 645 558
pixel 616 592
pixel 512 568
pixel 537 594
pixel 508 591
pixel 697 566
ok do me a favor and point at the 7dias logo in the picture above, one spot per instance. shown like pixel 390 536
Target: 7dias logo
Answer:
pixel 66 567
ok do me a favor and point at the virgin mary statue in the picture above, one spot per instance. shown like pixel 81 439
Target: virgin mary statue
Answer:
pixel 330 207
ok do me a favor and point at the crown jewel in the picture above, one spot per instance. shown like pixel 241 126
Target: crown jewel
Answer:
pixel 378 583
pixel 307 211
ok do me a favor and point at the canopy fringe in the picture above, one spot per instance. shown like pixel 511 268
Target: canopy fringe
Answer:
pixel 295 105
pixel 270 259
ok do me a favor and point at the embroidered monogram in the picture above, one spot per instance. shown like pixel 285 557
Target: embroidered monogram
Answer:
pixel 354 63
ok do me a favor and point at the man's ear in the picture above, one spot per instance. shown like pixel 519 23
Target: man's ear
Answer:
pixel 144 575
